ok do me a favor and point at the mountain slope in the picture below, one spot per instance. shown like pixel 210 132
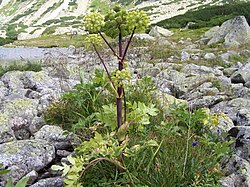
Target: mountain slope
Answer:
pixel 35 17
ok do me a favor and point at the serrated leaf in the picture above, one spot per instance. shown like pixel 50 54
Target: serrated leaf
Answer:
pixel 66 170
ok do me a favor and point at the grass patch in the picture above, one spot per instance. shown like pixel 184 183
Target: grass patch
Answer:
pixel 194 34
pixel 102 6
pixel 20 67
pixel 58 41
pixel 208 17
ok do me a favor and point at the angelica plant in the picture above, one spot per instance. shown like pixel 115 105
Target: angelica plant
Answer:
pixel 116 24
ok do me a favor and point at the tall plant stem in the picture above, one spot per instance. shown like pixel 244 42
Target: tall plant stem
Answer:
pixel 186 154
pixel 187 144
pixel 127 45
pixel 104 65
pixel 120 89
pixel 108 44
pixel 125 107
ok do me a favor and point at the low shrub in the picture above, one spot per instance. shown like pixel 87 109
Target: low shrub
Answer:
pixel 85 99
pixel 21 67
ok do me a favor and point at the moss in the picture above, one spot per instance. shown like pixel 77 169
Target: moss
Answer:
pixel 18 105
pixel 39 76
pixel 32 147
pixel 11 148
pixel 3 118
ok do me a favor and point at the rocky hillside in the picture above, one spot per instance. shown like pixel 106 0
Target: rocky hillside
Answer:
pixel 200 73
pixel 216 79
pixel 35 17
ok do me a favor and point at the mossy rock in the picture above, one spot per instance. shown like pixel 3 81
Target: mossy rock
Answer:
pixel 6 133
pixel 24 156
pixel 21 107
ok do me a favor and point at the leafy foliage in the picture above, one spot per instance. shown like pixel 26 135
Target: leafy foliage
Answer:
pixel 20 183
pixel 77 106
pixel 161 158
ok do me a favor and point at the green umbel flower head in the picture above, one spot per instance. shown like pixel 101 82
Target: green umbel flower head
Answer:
pixel 93 22
pixel 93 39
pixel 137 19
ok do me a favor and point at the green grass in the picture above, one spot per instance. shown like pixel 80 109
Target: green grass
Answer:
pixel 194 34
pixel 20 67
pixel 58 41
pixel 102 6
pixel 208 17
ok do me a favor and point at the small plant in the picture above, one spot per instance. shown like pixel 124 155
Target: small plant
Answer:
pixel 3 171
pixel 20 183
pixel 75 108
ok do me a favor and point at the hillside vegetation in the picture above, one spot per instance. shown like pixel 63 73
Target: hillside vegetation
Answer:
pixel 208 17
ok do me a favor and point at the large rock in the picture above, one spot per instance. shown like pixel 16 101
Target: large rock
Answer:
pixel 15 86
pixel 199 70
pixel 242 141
pixel 157 31
pixel 6 133
pixel 240 91
pixel 24 156
pixel 38 81
pixel 242 75
pixel 49 182
pixel 209 34
pixel 145 37
pixel 206 101
pixel 237 109
pixel 237 172
pixel 26 108
pixel 56 137
pixel 233 32
pixel 3 90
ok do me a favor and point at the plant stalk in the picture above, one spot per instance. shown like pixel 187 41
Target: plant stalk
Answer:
pixel 105 67
pixel 120 89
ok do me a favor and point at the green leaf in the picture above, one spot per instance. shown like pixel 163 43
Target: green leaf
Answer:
pixel 71 160
pixel 122 132
pixel 9 182
pixel 22 182
pixel 4 171
pixel 56 167
pixel 152 143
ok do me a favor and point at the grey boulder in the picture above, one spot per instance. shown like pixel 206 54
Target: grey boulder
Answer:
pixel 233 32
pixel 157 31
pixel 242 75
pixel 49 182
pixel 24 156
pixel 55 136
